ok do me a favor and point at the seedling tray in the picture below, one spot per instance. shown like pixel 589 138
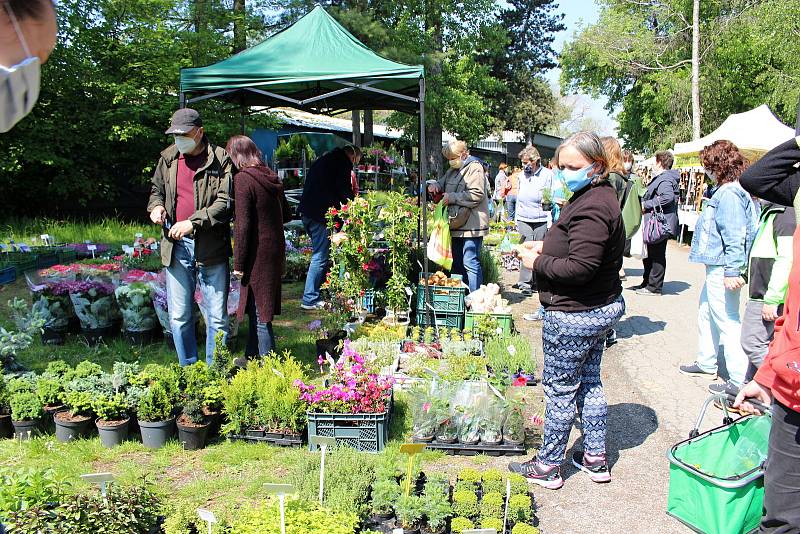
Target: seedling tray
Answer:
pixel 280 440
pixel 462 449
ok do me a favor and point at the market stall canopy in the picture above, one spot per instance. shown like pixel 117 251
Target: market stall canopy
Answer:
pixel 754 132
pixel 315 65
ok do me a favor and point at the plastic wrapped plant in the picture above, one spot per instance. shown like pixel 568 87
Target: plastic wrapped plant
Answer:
pixel 94 303
pixel 51 302
pixel 135 301
pixel 491 423
pixel 514 425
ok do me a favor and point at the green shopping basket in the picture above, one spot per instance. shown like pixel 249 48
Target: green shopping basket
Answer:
pixel 716 479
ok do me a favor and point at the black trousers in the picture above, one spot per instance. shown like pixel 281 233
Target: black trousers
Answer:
pixel 782 477
pixel 655 266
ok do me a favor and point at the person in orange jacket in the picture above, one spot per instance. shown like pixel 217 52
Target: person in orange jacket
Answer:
pixel 776 178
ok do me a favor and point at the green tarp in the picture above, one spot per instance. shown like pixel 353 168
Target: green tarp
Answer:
pixel 314 57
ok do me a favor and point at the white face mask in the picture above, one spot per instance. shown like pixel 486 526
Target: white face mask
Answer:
pixel 184 144
pixel 628 166
pixel 19 85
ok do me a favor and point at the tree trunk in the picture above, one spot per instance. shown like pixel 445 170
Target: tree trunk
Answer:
pixel 356 128
pixel 696 70
pixel 368 127
pixel 239 26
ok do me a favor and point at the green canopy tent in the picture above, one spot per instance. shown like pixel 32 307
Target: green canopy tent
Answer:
pixel 314 65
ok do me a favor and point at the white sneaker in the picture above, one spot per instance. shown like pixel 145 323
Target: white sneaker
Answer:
pixel 310 307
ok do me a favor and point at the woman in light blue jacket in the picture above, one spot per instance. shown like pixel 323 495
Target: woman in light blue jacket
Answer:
pixel 721 241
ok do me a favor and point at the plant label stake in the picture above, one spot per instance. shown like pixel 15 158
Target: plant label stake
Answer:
pixel 323 442
pixel 479 531
pixel 45 239
pixel 91 248
pixel 508 498
pixel 102 479
pixel 207 516
pixel 281 490
pixel 411 449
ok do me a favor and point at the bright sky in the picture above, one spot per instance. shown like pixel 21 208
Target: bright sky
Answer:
pixel 587 12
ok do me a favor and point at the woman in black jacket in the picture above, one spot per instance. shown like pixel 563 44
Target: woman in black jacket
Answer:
pixel 662 193
pixel 577 270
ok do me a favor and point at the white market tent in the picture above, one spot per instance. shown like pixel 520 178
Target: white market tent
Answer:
pixel 754 132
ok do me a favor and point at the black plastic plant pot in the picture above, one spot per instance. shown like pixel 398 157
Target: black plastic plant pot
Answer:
pixel 383 516
pixel 25 430
pixel 95 336
pixel 254 432
pixel 6 428
pixel 193 437
pixel 50 410
pixel 53 337
pixel 70 428
pixel 112 433
pixel 331 344
pixel 156 434
pixel 142 338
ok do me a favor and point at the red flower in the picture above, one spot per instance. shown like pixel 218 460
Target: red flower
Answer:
pixel 365 266
pixel 520 381
pixel 334 211
pixel 135 253
pixel 360 249
pixel 337 225
pixel 345 208
pixel 147 252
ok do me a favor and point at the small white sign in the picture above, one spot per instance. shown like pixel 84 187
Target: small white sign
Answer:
pixel 138 236
pixel 24 248
pixel 153 246
pixel 3 247
pixel 206 515
pixel 91 247
pixel 127 249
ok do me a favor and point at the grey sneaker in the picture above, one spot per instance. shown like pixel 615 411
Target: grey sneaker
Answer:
pixel 310 307
pixel 594 466
pixel 647 292
pixel 546 476
pixel 695 370
pixel 728 388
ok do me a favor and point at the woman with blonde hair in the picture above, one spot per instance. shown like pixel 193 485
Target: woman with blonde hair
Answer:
pixel 464 186
pixel 577 269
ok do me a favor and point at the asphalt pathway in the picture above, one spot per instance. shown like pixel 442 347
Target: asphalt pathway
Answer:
pixel 651 407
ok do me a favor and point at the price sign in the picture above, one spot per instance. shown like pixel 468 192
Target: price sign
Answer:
pixel 45 238
pixel 207 516
pixel 281 490
pixel 24 248
pixel 411 449
pixel 101 479
pixel 323 442
pixel 127 249
pixel 91 248
pixel 153 246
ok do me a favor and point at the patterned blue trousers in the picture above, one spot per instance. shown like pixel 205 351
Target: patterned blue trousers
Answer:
pixel 573 344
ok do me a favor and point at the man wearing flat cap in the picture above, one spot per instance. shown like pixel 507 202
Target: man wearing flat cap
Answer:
pixel 191 198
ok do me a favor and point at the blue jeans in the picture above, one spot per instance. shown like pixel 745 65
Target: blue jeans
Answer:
pixel 183 275
pixel 260 337
pixel 718 321
pixel 466 260
pixel 511 207
pixel 321 246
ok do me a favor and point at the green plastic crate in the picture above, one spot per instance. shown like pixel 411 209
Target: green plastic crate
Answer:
pixel 443 299
pixel 504 321
pixel 67 255
pixel 365 432
pixel 442 319
pixel 8 274
pixel 21 261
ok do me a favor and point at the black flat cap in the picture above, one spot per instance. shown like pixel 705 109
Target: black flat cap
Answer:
pixel 184 120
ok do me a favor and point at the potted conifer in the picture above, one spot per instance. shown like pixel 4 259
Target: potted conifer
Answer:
pixel 112 419
pixel 156 421
pixel 26 411
pixel 193 425
pixel 73 422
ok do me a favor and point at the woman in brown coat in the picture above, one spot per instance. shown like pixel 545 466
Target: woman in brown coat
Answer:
pixel 259 254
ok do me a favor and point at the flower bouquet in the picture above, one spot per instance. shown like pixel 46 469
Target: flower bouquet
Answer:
pixel 95 307
pixel 135 301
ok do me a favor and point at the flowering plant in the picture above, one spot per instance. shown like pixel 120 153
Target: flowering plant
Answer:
pixel 142 259
pixel 399 217
pixel 93 302
pixel 354 388
pixel 160 305
pixel 135 301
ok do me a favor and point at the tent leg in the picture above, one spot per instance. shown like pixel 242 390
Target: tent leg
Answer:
pixel 182 100
pixel 244 114
pixel 423 175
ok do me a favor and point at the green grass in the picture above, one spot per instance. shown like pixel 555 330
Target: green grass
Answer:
pixel 106 231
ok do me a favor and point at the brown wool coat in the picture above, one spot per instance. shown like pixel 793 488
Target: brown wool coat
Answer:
pixel 259 246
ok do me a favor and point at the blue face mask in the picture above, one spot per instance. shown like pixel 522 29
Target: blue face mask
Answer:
pixel 576 180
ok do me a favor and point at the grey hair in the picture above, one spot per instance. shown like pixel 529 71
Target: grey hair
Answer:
pixel 590 146
pixel 530 153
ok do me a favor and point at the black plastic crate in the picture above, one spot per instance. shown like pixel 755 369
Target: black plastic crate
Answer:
pixel 473 450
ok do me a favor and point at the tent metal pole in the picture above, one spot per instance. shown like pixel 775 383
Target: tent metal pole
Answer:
pixel 182 100
pixel 423 172
pixel 210 95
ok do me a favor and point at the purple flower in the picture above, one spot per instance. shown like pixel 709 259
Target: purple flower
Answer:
pixel 315 325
